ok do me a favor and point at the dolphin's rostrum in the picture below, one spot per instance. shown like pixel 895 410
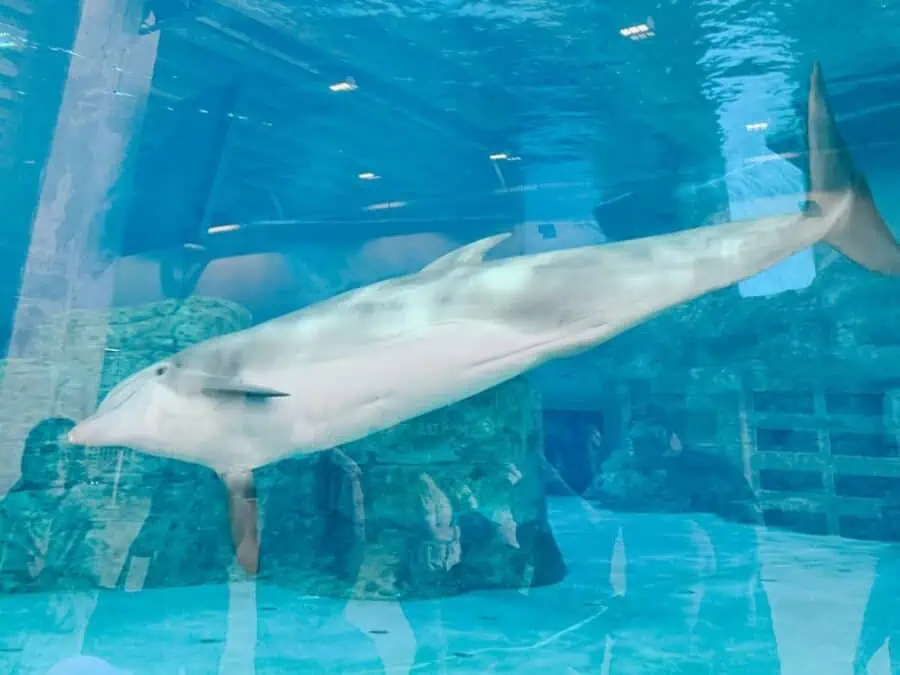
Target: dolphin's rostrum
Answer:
pixel 376 356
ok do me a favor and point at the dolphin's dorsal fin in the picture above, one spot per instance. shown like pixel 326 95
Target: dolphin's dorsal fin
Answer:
pixel 470 254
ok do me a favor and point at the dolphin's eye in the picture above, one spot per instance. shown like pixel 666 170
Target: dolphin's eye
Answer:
pixel 160 371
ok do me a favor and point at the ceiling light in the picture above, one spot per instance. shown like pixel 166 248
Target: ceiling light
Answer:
pixel 757 126
pixel 384 205
pixel 368 175
pixel 499 155
pixel 218 229
pixel 760 159
pixel 347 85
pixel 640 31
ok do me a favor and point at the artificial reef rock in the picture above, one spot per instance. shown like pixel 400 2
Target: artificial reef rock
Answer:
pixel 442 504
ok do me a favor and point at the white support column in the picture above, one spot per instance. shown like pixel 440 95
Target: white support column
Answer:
pixel 101 113
pixel 823 438
pixel 558 199
pixel 758 182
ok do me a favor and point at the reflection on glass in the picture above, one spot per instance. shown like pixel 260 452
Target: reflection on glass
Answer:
pixel 505 337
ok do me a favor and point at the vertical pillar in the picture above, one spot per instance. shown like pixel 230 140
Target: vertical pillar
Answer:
pixel 34 65
pixel 832 514
pixel 559 199
pixel 617 416
pixel 748 437
pixel 85 186
pixel 557 205
pixel 758 183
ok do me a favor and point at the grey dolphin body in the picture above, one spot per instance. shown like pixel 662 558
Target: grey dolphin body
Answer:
pixel 373 357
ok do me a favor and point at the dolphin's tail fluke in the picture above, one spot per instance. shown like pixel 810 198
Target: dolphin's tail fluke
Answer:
pixel 860 233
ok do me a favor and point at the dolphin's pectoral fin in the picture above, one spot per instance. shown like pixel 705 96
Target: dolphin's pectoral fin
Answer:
pixel 470 254
pixel 242 517
pixel 193 381
pixel 222 386
pixel 812 209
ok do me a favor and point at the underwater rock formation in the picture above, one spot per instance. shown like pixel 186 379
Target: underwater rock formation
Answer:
pixel 833 333
pixel 574 450
pixel 70 354
pixel 446 503
pixel 797 390
pixel 117 509
pixel 450 502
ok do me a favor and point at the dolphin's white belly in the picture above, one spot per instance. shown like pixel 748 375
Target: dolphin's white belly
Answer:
pixel 383 384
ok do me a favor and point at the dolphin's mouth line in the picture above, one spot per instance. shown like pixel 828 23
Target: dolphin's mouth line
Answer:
pixel 115 405
pixel 113 402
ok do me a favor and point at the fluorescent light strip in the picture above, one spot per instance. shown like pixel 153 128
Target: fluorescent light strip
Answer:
pixel 347 85
pixel 219 229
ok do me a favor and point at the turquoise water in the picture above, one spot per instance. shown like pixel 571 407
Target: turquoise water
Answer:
pixel 693 621
pixel 520 428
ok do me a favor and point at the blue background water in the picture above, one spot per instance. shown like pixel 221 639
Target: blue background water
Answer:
pixel 213 158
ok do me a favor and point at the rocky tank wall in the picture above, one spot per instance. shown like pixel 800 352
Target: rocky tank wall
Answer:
pixel 450 502
pixel 797 391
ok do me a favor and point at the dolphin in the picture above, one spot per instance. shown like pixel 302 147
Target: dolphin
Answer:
pixel 373 357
